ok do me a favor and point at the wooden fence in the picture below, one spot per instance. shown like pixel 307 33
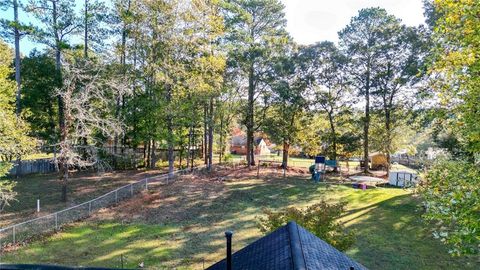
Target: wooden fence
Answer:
pixel 25 167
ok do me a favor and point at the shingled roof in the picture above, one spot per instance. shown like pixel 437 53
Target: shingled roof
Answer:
pixel 289 247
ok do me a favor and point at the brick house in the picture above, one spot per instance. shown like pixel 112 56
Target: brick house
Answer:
pixel 238 145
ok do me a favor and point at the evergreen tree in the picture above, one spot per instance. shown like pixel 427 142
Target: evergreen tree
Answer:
pixel 289 81
pixel 255 30
pixel 14 29
pixel 364 41
pixel 331 86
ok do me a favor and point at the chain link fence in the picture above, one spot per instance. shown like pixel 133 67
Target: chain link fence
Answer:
pixel 30 229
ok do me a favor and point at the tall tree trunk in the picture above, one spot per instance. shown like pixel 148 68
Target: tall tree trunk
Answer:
pixel 123 61
pixel 389 136
pixel 189 145
pixel 149 154
pixel 180 157
pixel 334 138
pixel 61 105
pixel 171 157
pixel 145 155
pixel 210 135
pixel 194 148
pixel 222 148
pixel 249 143
pixel 64 173
pixel 250 116
pixel 65 147
pixel 205 134
pixel 17 71
pixel 18 108
pixel 58 55
pixel 154 155
pixel 286 147
pixel 366 123
pixel 85 31
pixel 53 137
pixel 84 140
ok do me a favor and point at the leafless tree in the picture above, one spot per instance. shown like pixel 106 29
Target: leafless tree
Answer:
pixel 7 194
pixel 88 92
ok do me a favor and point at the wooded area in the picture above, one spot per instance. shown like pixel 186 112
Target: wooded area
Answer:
pixel 179 75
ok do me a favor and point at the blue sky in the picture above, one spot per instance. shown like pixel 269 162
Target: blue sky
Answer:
pixel 308 21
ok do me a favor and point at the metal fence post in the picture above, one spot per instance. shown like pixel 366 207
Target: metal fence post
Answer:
pixel 131 190
pixel 146 184
pixel 258 169
pixel 116 195
pixel 14 234
pixel 89 207
pixel 56 221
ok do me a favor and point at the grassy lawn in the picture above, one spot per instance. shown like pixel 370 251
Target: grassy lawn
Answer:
pixel 295 161
pixel 181 226
pixel 37 156
pixel 82 186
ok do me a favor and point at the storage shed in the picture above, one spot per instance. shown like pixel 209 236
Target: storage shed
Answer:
pixel 377 160
pixel 402 178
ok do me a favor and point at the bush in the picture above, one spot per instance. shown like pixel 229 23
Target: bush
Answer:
pixel 320 219
pixel 451 193
pixel 228 158
pixel 5 167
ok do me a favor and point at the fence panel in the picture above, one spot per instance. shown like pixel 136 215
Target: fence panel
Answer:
pixel 139 186
pixel 103 201
pixel 72 214
pixel 26 230
pixel 25 167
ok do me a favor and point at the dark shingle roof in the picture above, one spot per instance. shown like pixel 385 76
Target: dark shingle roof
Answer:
pixel 239 140
pixel 289 247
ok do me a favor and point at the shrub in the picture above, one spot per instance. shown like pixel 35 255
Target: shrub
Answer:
pixel 5 166
pixel 228 157
pixel 321 219
pixel 451 193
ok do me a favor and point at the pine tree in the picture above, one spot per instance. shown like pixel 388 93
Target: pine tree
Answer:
pixel 255 30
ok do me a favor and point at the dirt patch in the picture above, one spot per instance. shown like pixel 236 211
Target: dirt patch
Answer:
pixel 82 187
pixel 185 199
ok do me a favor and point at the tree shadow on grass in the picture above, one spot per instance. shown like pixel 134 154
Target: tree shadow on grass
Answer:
pixel 392 235
pixel 185 228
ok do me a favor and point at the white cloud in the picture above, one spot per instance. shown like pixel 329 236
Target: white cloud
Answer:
pixel 309 21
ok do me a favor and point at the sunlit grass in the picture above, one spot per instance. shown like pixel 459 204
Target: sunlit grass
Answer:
pixel 37 156
pixel 390 234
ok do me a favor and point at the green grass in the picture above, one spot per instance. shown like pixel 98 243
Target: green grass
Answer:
pixel 183 227
pixel 37 156
pixel 295 161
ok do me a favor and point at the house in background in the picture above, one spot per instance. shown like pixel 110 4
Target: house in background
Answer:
pixel 238 145
pixel 290 247
pixel 261 147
